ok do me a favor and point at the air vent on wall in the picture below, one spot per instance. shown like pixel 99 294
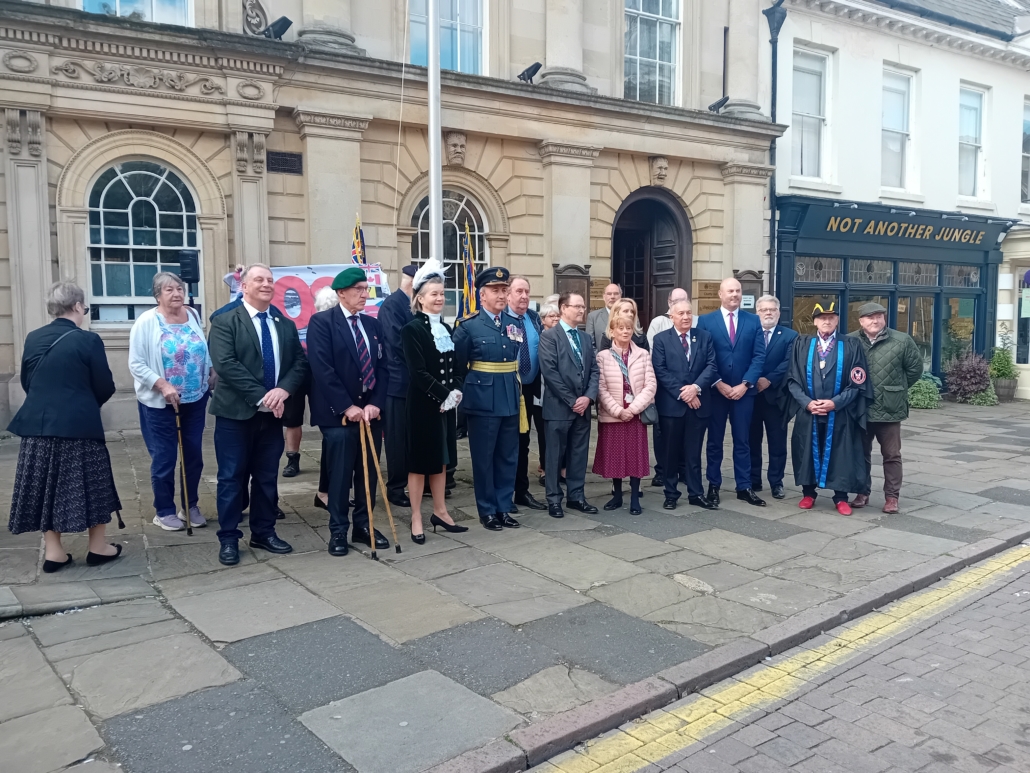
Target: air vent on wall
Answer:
pixel 285 163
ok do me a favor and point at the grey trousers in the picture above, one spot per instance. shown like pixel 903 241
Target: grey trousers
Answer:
pixel 569 441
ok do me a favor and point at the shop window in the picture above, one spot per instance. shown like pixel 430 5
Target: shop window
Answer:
pixel 1023 327
pixel 915 317
pixel 918 274
pixel 819 269
pixel 895 133
pixel 857 301
pixel 461 35
pixel 959 320
pixel 1026 155
pixel 160 11
pixel 961 276
pixel 871 272
pixel 140 215
pixel 971 104
pixel 802 311
pixel 651 50
pixel 809 114
pixel 458 211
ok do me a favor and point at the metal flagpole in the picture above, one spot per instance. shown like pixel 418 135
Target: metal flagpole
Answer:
pixel 435 133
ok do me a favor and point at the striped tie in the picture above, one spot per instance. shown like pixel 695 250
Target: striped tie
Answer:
pixel 368 376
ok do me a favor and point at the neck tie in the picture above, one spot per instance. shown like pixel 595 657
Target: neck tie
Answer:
pixel 525 363
pixel 368 377
pixel 733 330
pixel 574 340
pixel 267 352
pixel 768 335
pixel 686 345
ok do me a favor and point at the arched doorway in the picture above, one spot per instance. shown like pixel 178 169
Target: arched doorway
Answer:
pixel 652 249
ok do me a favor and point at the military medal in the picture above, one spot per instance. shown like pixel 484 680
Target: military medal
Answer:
pixel 822 364
pixel 514 333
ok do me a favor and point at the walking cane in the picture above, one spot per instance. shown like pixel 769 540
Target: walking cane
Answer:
pixel 382 485
pixel 182 469
pixel 368 490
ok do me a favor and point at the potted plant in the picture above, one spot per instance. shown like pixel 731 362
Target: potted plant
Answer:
pixel 925 392
pixel 1003 368
pixel 968 375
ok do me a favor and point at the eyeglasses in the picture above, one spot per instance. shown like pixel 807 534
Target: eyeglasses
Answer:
pixel 85 309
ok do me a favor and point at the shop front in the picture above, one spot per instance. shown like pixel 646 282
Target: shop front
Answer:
pixel 935 272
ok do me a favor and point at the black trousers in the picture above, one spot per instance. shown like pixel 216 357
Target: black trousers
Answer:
pixel 768 420
pixel 248 452
pixel 683 438
pixel 345 470
pixel 396 447
pixel 535 414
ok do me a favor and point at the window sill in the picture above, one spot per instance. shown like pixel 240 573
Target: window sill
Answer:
pixel 1024 208
pixel 971 202
pixel 898 194
pixel 815 184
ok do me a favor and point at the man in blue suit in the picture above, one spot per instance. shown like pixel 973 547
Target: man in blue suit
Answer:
pixel 771 405
pixel 739 356
pixel 684 365
pixel 349 385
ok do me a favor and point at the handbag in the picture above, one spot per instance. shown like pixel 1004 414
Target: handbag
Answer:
pixel 648 416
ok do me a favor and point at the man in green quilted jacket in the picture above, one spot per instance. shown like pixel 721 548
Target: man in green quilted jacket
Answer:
pixel 895 364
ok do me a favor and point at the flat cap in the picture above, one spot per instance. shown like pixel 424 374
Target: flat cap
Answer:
pixel 827 307
pixel 868 309
pixel 495 275
pixel 348 278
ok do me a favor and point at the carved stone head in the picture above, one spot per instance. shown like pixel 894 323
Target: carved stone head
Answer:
pixel 455 144
pixel 659 170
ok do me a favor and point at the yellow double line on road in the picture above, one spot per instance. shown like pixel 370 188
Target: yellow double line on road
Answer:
pixel 665 732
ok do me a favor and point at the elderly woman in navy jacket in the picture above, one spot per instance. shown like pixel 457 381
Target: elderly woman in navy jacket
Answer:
pixel 64 481
pixel 432 398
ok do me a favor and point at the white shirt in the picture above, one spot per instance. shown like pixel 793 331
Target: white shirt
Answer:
pixel 658 325
pixel 726 314
pixel 767 334
pixel 350 326
pixel 275 339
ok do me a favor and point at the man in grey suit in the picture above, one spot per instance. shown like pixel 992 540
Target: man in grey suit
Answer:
pixel 570 375
pixel 597 320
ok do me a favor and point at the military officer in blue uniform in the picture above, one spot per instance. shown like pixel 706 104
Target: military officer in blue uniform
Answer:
pixel 486 357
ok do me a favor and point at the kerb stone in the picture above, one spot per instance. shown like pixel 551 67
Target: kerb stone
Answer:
pixel 499 756
pixel 715 665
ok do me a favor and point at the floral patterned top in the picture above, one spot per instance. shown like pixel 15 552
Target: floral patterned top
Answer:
pixel 184 355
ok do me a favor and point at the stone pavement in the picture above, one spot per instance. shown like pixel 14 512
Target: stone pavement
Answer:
pixel 311 663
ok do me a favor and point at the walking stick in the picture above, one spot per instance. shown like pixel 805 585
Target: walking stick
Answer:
pixel 182 469
pixel 382 485
pixel 368 490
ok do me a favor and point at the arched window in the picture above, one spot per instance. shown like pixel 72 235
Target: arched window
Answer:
pixel 140 215
pixel 458 210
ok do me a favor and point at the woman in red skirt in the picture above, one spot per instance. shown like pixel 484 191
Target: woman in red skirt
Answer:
pixel 627 386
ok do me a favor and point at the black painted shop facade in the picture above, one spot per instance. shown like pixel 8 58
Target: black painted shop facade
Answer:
pixel 935 272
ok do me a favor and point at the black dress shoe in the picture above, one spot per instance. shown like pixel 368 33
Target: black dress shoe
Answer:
pixel 756 486
pixel 229 553
pixel 777 492
pixel 96 559
pixel 491 523
pixel 338 545
pixel 292 468
pixel 418 539
pixel 555 511
pixel 615 503
pixel 528 500
pixel 707 504
pixel 713 494
pixel 360 534
pixel 658 482
pixel 583 506
pixel 749 496
pixel 279 514
pixel 319 503
pixel 508 522
pixel 401 500
pixel 669 504
pixel 55 566
pixel 453 528
pixel 271 543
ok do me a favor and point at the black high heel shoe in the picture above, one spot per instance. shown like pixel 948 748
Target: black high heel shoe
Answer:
pixel 96 559
pixel 418 539
pixel 320 503
pixel 453 528
pixel 55 566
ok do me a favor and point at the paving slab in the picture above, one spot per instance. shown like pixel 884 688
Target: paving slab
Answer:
pixel 951 495
pixel 826 545
pixel 915 524
pixel 486 656
pixel 12 629
pixel 238 728
pixel 41 599
pixel 736 548
pixel 409 725
pixel 620 648
pixel 9 604
pixel 674 563
pixel 29 683
pixel 903 540
pixel 224 579
pixel 459 559
pixel 327 660
pixel 631 547
pixel 573 565
pixel 642 594
pixel 500 583
pixel 85 623
pixel 526 610
pixel 778 596
pixel 237 613
pixel 109 682
pixel 18 565
pixel 1007 494
pixel 331 577
pixel 748 524
pixel 108 641
pixel 191 558
pixel 655 523
pixel 545 523
pixel 69 737
pixel 121 589
pixel 713 620
pixel 552 691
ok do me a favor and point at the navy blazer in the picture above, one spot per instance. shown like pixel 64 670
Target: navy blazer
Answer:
pixel 742 360
pixel 777 362
pixel 673 371
pixel 335 373
pixel 395 313
pixel 477 339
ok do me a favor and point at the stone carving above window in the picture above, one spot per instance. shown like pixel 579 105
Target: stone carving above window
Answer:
pixel 137 76
pixel 255 18
pixel 21 62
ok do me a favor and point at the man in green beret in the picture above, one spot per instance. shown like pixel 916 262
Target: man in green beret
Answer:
pixel 895 364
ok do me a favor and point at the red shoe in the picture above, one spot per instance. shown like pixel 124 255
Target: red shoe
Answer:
pixel 844 508
pixel 807 503
pixel 891 506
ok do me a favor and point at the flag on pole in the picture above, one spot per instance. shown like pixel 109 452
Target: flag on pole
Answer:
pixel 469 299
pixel 357 248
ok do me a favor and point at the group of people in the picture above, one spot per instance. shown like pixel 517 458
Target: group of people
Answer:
pixel 404 375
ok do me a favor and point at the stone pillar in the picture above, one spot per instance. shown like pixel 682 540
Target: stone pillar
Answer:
pixel 250 192
pixel 742 61
pixel 327 24
pixel 744 244
pixel 567 201
pixel 564 47
pixel 332 150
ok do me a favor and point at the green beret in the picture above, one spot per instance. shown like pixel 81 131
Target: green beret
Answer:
pixel 348 278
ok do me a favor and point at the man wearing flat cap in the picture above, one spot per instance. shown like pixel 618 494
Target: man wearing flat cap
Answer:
pixel 486 351
pixel 349 384
pixel 829 383
pixel 395 313
pixel 895 364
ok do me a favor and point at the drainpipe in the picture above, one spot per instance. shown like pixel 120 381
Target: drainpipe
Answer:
pixel 775 15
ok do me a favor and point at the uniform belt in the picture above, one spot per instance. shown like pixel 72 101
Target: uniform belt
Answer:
pixel 495 367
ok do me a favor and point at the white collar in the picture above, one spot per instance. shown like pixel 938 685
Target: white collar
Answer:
pixel 726 312
pixel 254 312
pixel 347 314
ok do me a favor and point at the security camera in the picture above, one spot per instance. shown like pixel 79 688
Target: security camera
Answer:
pixel 277 29
pixel 715 107
pixel 527 75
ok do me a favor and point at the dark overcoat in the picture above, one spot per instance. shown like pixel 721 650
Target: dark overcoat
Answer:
pixel 432 442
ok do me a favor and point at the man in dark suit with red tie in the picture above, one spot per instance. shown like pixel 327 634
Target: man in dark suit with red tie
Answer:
pixel 684 365
pixel 348 387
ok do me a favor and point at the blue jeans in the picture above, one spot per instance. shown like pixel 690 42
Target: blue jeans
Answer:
pixel 162 441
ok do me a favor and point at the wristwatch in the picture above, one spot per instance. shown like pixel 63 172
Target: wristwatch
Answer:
pixel 748 384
